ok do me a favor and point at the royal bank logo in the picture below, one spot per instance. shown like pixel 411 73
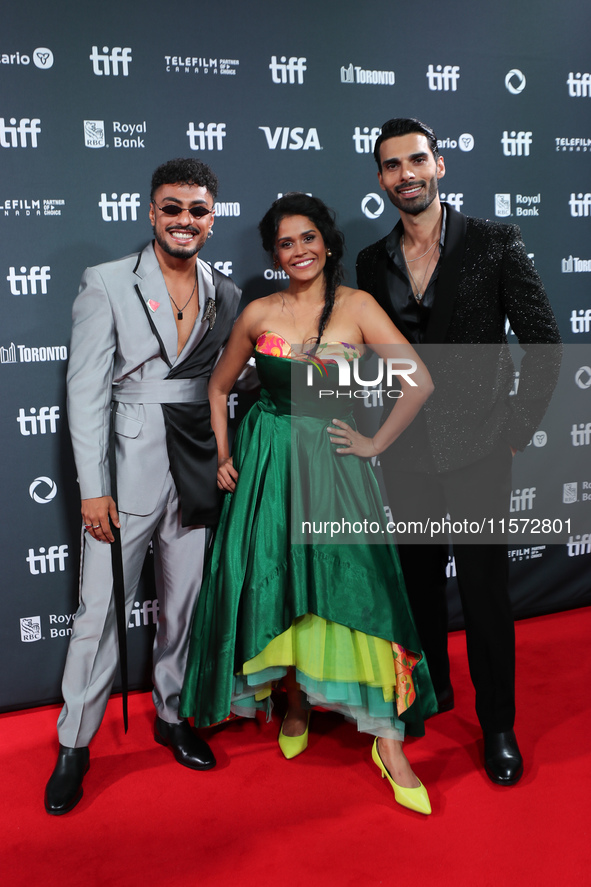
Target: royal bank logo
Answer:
pixel 291 138
pixel 30 629
pixel 515 81
pixel 525 205
pixel 286 70
pixel 19 134
pixel 580 205
pixel 365 139
pixel 455 199
pixel 95 137
pixel 580 321
pixel 579 85
pixel 522 500
pixel 583 378
pixel 372 205
pixel 94 133
pixel 443 78
pixel 118 207
pixel 576 145
pixel 30 281
pixel 516 144
pixel 502 205
pixel 111 62
pixel 197 64
pixel 570 493
pixel 208 137
pixel 574 265
pixel 47 561
pixel 42 58
pixel 465 142
pixel 42 421
pixel 355 74
pixel 43 490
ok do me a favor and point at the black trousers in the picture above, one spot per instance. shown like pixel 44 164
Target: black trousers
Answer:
pixel 480 494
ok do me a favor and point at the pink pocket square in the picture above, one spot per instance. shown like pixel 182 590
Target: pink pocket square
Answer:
pixel 153 305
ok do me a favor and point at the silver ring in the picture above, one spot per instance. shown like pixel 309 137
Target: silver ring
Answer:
pixel 95 526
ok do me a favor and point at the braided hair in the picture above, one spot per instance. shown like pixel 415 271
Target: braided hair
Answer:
pixel 295 203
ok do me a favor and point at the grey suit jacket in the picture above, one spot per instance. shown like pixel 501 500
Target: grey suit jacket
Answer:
pixel 113 342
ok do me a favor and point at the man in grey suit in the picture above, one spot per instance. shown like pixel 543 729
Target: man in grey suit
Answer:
pixel 147 330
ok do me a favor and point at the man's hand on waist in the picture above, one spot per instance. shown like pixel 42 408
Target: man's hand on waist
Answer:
pixel 96 513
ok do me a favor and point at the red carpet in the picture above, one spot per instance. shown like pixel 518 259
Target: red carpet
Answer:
pixel 325 818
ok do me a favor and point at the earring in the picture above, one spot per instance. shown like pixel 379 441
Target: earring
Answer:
pixel 210 232
pixel 329 253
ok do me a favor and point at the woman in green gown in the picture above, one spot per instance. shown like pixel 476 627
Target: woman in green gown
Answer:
pixel 282 600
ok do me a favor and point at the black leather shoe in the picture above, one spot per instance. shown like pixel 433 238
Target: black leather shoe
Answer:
pixel 64 789
pixel 445 699
pixel 188 748
pixel 502 759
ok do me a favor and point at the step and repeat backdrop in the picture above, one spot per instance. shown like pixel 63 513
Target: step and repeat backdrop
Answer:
pixel 275 99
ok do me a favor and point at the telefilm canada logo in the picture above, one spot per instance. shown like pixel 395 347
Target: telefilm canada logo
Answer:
pixel 350 384
pixel 356 74
pixel 23 206
pixel 198 64
pixel 576 145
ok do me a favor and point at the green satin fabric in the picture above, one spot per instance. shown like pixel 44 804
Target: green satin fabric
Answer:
pixel 257 582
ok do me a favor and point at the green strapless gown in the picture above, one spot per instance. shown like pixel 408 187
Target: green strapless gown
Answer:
pixel 337 612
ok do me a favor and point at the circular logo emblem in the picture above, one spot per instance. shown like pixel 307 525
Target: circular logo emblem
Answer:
pixel 583 377
pixel 466 142
pixel 372 206
pixel 540 439
pixel 43 57
pixel 43 500
pixel 515 81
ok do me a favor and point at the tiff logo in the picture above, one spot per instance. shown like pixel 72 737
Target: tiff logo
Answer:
pixel 580 205
pixel 209 139
pixel 15 135
pixel 141 613
pixel 108 63
pixel 287 71
pixel 443 78
pixel 579 85
pixel 43 560
pixel 516 144
pixel 37 424
pixel 580 321
pixel 365 141
pixel 577 545
pixel 455 200
pixel 22 284
pixel 115 209
pixel 581 435
pixel 522 500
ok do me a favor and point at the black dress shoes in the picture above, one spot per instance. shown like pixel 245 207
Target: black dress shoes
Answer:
pixel 188 748
pixel 445 699
pixel 64 789
pixel 502 759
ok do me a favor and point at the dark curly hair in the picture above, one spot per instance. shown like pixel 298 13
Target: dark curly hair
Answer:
pixel 295 203
pixel 185 171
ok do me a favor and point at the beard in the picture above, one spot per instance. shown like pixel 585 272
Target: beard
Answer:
pixel 178 251
pixel 418 204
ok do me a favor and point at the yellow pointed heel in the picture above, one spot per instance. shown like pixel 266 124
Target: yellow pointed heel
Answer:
pixel 413 798
pixel 291 746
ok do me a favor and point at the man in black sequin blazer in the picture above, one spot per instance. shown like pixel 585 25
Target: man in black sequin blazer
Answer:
pixel 446 279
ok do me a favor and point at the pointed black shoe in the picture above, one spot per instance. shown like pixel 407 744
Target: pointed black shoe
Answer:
pixel 188 748
pixel 502 759
pixel 445 700
pixel 64 789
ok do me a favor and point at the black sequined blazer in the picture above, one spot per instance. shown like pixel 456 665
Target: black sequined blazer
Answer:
pixel 485 276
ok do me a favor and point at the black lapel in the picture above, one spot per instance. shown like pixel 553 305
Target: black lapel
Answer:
pixel 448 279
pixel 152 325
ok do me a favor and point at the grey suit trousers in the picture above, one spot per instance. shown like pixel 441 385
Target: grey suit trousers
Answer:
pixel 92 659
